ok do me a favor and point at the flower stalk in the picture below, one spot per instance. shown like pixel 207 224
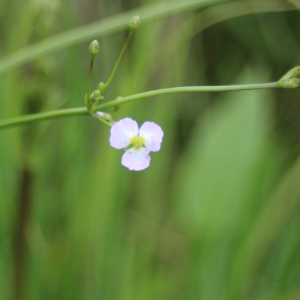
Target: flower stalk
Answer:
pixel 187 89
pixel 87 96
pixel 133 25
pixel 112 75
pixel 81 111
pixel 94 50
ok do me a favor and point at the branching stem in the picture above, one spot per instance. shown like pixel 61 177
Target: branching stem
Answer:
pixel 83 110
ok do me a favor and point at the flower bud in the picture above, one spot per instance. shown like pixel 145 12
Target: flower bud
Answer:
pixel 101 88
pixel 134 24
pixel 94 48
pixel 95 96
pixel 291 79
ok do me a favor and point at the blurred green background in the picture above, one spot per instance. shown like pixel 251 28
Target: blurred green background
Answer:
pixel 215 216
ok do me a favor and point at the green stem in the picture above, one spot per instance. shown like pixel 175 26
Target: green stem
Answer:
pixel 89 82
pixel 118 62
pixel 104 122
pixel 87 99
pixel 83 111
pixel 219 88
pixel 23 120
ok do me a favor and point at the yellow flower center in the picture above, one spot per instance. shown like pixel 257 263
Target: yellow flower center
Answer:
pixel 137 142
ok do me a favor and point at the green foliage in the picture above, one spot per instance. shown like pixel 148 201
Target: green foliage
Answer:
pixel 216 216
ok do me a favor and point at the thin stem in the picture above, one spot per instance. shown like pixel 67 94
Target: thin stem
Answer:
pixel 219 88
pixel 43 117
pixel 118 62
pixel 104 122
pixel 83 110
pixel 89 81
pixel 87 99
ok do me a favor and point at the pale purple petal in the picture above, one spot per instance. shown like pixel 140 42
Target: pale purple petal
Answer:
pixel 121 133
pixel 136 160
pixel 153 135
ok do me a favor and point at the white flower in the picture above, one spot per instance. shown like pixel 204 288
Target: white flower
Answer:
pixel 126 133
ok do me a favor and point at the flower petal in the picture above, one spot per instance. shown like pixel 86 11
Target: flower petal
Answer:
pixel 153 135
pixel 136 160
pixel 121 133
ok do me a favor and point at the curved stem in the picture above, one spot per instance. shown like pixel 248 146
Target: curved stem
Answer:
pixel 83 111
pixel 218 88
pixel 118 62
